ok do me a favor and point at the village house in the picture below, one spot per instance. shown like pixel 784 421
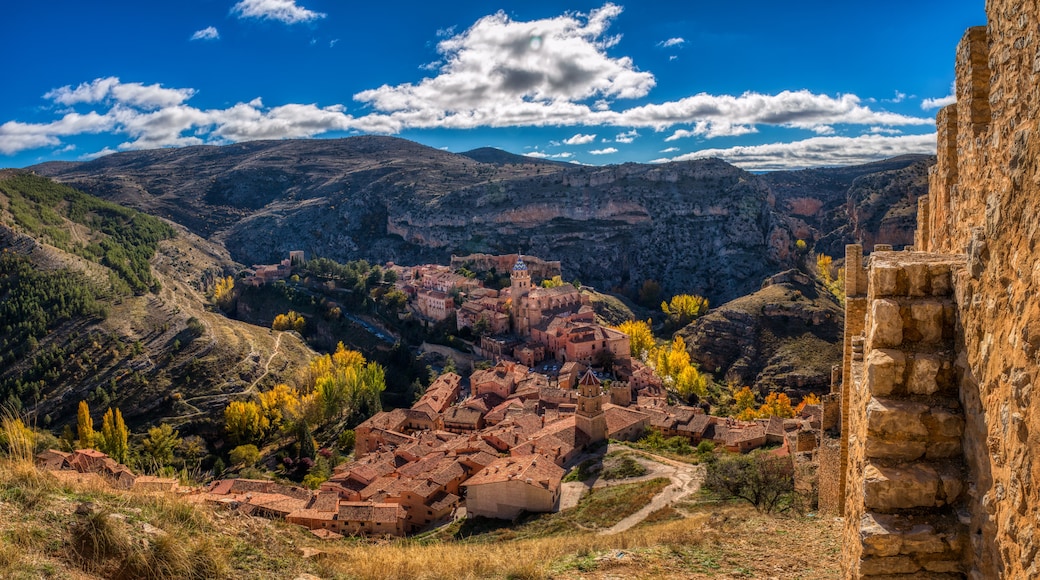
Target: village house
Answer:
pixel 512 485
pixel 88 461
pixel 434 304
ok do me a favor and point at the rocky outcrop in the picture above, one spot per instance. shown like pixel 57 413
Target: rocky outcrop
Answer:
pixel 861 204
pixel 702 226
pixel 785 336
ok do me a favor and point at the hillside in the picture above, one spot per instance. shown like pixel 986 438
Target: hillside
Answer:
pixel 868 204
pixel 63 528
pixel 108 305
pixel 702 226
pixel 785 336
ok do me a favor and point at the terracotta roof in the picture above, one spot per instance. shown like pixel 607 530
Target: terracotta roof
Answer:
pixel 386 513
pixel 530 469
pixel 621 418
pixel 463 415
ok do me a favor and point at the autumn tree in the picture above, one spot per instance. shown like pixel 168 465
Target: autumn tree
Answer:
pixel 744 404
pixel 683 308
pixel 776 405
pixel 553 282
pixel 115 436
pixel 641 338
pixel 835 283
pixel 279 404
pixel 158 446
pixel 810 399
pixel 84 426
pixel 674 366
pixel 245 455
pixel 224 292
pixel 289 321
pixel 245 422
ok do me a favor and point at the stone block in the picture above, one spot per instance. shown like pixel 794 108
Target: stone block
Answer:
pixel 944 423
pixel 928 320
pixel 886 328
pixel 884 371
pixel 944 566
pixel 941 280
pixel 894 419
pixel 923 373
pixel 879 536
pixel 901 450
pixel 875 566
pixel 893 488
pixel 885 280
pixel 922 539
pixel 917 279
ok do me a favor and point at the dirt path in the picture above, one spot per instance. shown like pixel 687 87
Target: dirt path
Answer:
pixel 686 479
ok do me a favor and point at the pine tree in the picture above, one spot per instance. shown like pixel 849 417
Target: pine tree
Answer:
pixel 84 426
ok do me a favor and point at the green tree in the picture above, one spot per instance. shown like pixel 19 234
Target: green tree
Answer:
pixel 158 446
pixel 553 282
pixel 649 293
pixel 762 479
pixel 84 426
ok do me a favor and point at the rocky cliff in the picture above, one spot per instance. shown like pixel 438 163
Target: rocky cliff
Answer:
pixel 861 204
pixel 703 226
pixel 785 336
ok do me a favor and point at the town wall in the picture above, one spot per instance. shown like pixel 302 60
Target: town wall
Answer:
pixel 981 222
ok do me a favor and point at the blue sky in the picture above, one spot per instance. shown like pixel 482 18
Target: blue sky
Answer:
pixel 763 84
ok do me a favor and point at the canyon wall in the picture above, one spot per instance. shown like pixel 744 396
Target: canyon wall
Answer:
pixel 982 212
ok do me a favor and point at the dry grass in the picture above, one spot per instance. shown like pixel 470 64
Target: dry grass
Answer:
pixel 130 535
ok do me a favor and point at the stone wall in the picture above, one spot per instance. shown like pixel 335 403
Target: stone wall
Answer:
pixel 905 466
pixel 915 500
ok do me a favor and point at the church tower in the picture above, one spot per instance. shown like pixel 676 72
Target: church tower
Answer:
pixel 590 419
pixel 520 285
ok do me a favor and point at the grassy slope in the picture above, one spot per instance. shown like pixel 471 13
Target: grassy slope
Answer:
pixel 40 537
pixel 142 357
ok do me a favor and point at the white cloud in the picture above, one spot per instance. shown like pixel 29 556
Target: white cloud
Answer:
pixel 884 131
pixel 580 139
pixel 333 42
pixel 501 72
pixel 669 150
pixel 677 41
pixel 607 151
pixel 627 136
pixel 281 10
pixel 939 102
pixel 208 33
pixel 711 130
pixel 111 89
pixel 899 98
pixel 816 152
pixel 537 155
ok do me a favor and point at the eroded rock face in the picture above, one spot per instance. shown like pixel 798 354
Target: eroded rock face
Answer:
pixel 786 336
pixel 704 226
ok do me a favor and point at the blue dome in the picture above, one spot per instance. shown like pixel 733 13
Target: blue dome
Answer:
pixel 520 265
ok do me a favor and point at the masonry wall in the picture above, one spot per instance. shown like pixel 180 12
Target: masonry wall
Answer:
pixel 905 465
pixel 984 202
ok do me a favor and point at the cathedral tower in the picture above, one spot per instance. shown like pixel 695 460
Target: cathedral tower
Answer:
pixel 520 285
pixel 590 419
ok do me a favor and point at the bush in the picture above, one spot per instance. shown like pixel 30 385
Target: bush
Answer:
pixel 245 455
pixel 762 479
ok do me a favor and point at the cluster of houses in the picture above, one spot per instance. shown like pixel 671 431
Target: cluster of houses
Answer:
pixel 93 466
pixel 499 451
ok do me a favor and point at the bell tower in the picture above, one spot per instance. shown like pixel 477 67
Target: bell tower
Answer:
pixel 590 419
pixel 519 287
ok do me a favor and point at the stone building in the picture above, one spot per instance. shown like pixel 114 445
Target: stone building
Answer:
pixel 511 485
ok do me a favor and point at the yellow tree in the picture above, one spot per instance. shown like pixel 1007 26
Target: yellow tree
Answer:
pixel 776 405
pixel 84 426
pixel 683 308
pixel 289 321
pixel 279 404
pixel 810 399
pixel 115 435
pixel 641 338
pixel 245 422
pixel 743 400
pixel 552 282
pixel 224 292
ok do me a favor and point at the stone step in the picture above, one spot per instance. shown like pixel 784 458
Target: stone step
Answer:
pixel 906 431
pixel 896 544
pixel 906 486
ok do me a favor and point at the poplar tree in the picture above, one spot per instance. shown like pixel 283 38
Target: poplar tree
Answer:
pixel 84 426
pixel 115 435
